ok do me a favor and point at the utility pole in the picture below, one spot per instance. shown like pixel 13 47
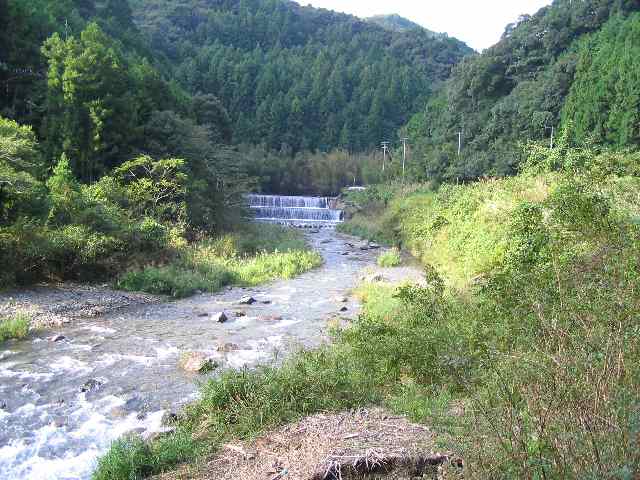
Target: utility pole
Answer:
pixel 404 155
pixel 385 149
pixel 553 131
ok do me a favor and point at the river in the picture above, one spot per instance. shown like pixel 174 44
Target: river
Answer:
pixel 128 362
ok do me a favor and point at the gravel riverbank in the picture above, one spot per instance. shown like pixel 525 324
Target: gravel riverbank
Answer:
pixel 60 304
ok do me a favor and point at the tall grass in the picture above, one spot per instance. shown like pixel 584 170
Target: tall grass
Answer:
pixel 389 258
pixel 250 257
pixel 16 326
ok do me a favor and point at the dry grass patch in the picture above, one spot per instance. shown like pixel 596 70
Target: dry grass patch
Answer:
pixel 371 444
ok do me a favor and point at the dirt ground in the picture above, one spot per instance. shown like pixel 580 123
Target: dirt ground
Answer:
pixel 367 444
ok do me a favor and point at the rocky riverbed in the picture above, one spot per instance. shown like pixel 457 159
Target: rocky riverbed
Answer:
pixel 111 362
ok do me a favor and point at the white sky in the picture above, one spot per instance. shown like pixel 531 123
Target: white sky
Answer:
pixel 480 23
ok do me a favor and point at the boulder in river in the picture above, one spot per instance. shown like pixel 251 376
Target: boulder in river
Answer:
pixel 91 385
pixel 220 317
pixel 344 309
pixel 118 412
pixel 373 278
pixel 270 318
pixel 57 338
pixel 364 246
pixel 59 422
pixel 247 300
pixel 3 405
pixel 228 347
pixel 239 314
pixel 197 362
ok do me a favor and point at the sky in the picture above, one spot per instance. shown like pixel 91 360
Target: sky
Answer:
pixel 479 23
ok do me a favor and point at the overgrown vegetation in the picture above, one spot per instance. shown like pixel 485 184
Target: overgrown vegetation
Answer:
pixel 54 226
pixel 389 258
pixel 522 351
pixel 16 326
pixel 250 257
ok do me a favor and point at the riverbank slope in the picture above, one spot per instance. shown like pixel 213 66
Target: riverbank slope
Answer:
pixel 521 349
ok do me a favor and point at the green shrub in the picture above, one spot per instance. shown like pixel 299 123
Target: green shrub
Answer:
pixel 390 258
pixel 16 326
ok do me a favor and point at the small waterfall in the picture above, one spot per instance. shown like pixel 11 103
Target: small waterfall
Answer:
pixel 299 211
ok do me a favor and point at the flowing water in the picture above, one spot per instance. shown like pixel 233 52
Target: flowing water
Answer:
pixel 300 211
pixel 50 429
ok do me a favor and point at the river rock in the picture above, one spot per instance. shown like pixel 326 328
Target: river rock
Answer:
pixel 344 254
pixel 203 314
pixel 344 309
pixel 220 317
pixel 91 385
pixel 239 314
pixel 197 362
pixel 374 246
pixel 118 412
pixel 325 242
pixel 228 347
pixel 3 405
pixel 364 246
pixel 57 338
pixel 247 300
pixel 270 318
pixel 59 422
pixel 266 302
pixel 373 278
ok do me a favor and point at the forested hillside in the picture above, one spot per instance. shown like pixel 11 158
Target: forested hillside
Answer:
pixel 394 23
pixel 573 66
pixel 297 78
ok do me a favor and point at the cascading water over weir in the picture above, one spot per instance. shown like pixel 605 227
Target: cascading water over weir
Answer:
pixel 296 211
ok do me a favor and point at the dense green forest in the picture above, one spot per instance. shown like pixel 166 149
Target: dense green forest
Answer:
pixel 572 66
pixel 297 78
pixel 395 23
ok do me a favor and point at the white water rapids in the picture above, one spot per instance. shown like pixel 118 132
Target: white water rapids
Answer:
pixel 50 430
